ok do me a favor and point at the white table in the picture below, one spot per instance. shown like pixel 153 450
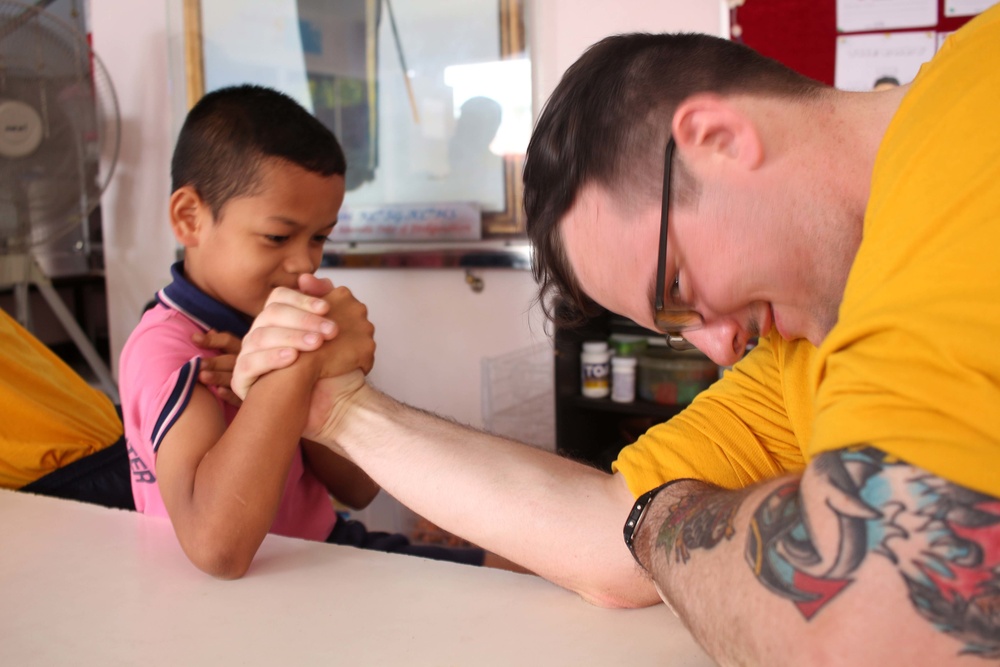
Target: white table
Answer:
pixel 85 585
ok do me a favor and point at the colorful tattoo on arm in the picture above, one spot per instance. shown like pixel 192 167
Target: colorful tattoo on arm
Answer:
pixel 699 520
pixel 944 540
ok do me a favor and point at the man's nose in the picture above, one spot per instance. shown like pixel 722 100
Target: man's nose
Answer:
pixel 722 341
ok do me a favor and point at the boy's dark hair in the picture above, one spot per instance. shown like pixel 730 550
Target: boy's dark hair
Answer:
pixel 231 131
pixel 607 122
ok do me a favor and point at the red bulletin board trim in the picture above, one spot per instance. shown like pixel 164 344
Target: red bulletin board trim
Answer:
pixel 802 34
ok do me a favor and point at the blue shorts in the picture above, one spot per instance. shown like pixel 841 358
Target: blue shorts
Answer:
pixel 354 534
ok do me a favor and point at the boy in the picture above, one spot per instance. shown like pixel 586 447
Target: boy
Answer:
pixel 257 184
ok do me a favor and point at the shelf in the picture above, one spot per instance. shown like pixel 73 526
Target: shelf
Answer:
pixel 637 407
pixel 595 429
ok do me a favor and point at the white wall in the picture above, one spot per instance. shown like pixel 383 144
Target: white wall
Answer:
pixel 131 38
pixel 560 30
pixel 432 331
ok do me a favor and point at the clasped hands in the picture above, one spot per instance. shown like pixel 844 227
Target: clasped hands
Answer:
pixel 295 326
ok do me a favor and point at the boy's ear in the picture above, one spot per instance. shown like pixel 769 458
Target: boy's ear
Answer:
pixel 187 214
pixel 708 126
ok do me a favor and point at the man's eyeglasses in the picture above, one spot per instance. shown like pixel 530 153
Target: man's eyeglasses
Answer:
pixel 672 317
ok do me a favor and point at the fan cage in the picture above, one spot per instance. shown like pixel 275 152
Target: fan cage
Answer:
pixel 48 64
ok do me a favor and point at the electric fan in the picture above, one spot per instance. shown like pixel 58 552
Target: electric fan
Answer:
pixel 58 118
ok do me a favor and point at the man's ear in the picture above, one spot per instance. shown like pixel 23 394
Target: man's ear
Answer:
pixel 187 214
pixel 707 126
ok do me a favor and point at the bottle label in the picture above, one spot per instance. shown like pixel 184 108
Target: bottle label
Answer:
pixel 623 385
pixel 595 378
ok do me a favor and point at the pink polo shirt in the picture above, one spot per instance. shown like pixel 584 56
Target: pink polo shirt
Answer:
pixel 158 371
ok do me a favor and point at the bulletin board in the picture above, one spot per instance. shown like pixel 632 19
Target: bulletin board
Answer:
pixel 802 34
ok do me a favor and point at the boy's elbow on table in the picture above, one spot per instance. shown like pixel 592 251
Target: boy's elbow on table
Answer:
pixel 222 561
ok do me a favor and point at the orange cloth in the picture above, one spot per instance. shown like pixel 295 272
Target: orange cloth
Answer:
pixel 50 415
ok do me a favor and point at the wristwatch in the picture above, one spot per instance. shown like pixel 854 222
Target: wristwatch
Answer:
pixel 638 513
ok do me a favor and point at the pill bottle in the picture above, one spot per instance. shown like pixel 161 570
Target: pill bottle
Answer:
pixel 595 369
pixel 623 379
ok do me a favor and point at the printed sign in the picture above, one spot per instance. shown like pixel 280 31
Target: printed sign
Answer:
pixel 449 221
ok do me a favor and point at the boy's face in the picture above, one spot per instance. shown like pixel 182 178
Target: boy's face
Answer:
pixel 265 240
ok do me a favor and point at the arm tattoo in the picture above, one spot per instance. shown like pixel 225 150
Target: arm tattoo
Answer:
pixel 943 539
pixel 698 520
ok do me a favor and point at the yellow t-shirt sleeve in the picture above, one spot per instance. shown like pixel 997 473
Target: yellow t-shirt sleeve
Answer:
pixel 50 415
pixel 735 433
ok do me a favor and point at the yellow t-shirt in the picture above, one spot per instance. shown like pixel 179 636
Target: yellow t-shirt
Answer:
pixel 913 365
pixel 750 425
pixel 51 416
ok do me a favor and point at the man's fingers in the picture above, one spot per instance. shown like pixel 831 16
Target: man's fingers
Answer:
pixel 297 299
pixel 280 315
pixel 263 338
pixel 250 366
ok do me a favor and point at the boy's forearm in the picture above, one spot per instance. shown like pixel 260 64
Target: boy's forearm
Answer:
pixel 345 481
pixel 239 483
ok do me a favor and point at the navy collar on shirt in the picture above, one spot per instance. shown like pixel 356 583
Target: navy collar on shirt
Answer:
pixel 209 313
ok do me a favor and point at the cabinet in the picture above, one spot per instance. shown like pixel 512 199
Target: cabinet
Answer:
pixel 595 429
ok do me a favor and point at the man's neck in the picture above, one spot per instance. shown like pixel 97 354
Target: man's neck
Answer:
pixel 856 125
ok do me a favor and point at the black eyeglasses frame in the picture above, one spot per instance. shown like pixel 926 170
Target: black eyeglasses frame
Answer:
pixel 671 320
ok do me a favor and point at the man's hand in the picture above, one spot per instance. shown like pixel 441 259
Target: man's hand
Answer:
pixel 218 371
pixel 293 322
pixel 332 398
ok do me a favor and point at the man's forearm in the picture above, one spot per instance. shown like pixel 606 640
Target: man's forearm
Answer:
pixel 556 517
pixel 863 561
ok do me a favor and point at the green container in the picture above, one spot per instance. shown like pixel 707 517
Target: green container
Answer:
pixel 673 378
pixel 627 346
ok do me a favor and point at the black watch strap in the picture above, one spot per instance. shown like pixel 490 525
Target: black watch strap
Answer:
pixel 638 513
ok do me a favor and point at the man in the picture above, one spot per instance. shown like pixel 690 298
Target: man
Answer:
pixel 855 234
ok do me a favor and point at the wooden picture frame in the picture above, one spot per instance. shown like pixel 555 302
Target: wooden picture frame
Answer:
pixel 501 224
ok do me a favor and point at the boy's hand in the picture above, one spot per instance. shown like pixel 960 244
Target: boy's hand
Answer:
pixel 218 371
pixel 294 322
